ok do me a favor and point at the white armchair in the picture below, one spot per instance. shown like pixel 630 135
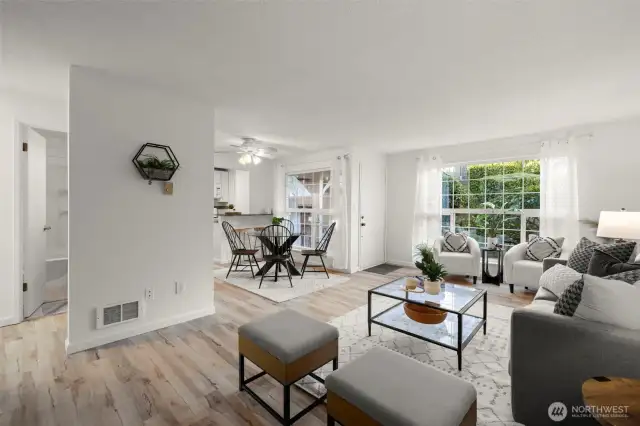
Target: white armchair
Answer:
pixel 518 270
pixel 459 263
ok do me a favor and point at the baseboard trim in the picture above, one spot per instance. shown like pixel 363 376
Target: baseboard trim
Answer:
pixel 400 263
pixel 114 336
pixel 8 321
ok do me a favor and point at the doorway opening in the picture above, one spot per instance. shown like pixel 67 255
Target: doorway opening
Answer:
pixel 45 221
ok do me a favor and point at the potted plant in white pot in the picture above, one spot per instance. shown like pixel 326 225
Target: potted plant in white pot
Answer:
pixel 495 222
pixel 433 271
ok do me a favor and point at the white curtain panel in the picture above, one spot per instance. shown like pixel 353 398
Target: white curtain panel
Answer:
pixel 427 217
pixel 339 246
pixel 559 191
pixel 279 193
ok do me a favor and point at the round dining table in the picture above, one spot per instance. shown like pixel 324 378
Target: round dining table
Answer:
pixel 278 245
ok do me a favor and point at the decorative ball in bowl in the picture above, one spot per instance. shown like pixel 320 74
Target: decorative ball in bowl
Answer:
pixel 424 314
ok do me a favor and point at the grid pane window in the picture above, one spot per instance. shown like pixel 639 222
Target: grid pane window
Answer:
pixel 309 205
pixel 512 188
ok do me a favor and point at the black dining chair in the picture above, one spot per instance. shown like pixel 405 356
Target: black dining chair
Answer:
pixel 320 251
pixel 276 253
pixel 238 250
pixel 291 227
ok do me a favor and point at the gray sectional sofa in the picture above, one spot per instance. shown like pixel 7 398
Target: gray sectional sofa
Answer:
pixel 552 355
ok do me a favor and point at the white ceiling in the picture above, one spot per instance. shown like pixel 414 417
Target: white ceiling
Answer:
pixel 390 74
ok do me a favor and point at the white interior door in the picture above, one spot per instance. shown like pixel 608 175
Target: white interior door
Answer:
pixel 372 199
pixel 35 217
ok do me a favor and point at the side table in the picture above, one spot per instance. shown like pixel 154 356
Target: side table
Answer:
pixel 487 277
pixel 613 401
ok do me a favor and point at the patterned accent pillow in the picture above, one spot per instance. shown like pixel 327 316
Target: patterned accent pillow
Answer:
pixel 458 243
pixel 558 278
pixel 570 299
pixel 630 277
pixel 621 251
pixel 581 255
pixel 607 259
pixel 540 248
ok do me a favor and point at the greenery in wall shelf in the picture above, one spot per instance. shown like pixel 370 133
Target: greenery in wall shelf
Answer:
pixel 150 165
pixel 276 220
pixel 153 162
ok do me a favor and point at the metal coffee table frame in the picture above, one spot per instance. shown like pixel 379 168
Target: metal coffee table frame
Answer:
pixel 462 341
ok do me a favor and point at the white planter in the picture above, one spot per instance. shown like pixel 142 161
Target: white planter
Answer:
pixel 432 287
pixel 492 242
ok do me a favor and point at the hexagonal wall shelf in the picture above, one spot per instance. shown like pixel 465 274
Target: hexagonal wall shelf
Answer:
pixel 156 162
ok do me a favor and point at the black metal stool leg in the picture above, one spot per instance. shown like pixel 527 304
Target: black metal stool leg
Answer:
pixel 241 372
pixel 287 404
pixel 330 421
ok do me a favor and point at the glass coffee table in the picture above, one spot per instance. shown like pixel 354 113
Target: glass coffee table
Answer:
pixel 455 332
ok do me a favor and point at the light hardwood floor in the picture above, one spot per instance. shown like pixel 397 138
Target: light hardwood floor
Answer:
pixel 181 375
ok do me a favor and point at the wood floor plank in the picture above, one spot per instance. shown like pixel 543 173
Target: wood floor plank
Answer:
pixel 181 375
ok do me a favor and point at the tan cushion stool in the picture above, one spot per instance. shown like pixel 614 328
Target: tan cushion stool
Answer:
pixel 287 346
pixel 383 387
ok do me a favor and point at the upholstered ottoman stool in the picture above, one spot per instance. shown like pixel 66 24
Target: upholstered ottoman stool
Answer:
pixel 386 388
pixel 287 346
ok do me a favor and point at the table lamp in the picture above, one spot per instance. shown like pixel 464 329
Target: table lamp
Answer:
pixel 621 225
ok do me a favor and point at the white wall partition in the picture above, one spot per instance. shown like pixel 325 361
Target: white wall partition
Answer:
pixel 126 236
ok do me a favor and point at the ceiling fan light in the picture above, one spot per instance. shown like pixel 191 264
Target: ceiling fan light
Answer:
pixel 256 159
pixel 245 159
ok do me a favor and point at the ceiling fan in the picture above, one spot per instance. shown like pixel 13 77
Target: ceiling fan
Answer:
pixel 252 151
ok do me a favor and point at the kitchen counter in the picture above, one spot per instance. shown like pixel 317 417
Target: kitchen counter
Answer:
pixel 221 251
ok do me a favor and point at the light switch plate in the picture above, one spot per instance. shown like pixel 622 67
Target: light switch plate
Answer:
pixel 168 188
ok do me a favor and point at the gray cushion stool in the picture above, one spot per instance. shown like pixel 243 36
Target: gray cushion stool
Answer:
pixel 386 388
pixel 287 346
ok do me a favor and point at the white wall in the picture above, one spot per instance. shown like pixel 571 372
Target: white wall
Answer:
pixel 36 112
pixel 125 235
pixel 607 171
pixel 260 181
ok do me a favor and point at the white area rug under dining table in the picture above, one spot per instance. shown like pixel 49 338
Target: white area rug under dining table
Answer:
pixel 280 291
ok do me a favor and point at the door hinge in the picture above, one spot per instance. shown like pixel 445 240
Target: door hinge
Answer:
pixel 24 286
pixel 25 146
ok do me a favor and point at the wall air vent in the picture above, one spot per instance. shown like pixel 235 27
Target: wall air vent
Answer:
pixel 118 314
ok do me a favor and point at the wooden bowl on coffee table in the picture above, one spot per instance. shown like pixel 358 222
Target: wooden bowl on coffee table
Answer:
pixel 424 313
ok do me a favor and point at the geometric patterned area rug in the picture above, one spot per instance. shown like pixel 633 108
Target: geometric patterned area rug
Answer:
pixel 280 291
pixel 485 361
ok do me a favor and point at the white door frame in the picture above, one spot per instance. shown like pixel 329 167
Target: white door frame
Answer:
pixel 19 231
pixel 20 179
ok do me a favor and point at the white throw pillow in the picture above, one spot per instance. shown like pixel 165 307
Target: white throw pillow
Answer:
pixel 610 302
pixel 540 248
pixel 557 278
pixel 455 242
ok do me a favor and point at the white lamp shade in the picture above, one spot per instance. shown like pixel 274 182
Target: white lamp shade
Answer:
pixel 624 225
